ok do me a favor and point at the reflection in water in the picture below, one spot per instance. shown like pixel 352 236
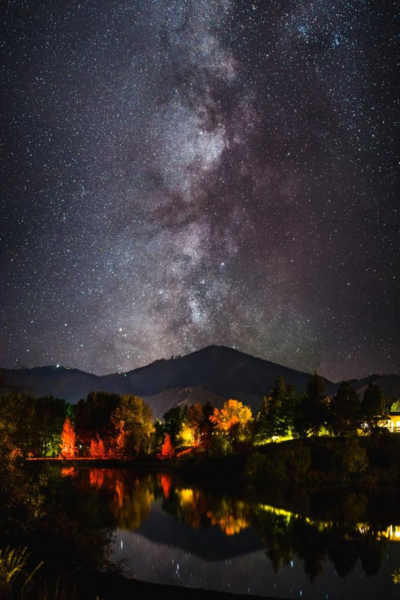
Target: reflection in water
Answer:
pixel 97 477
pixel 229 524
pixel 391 533
pixel 166 482
pixel 69 472
pixel 164 513
pixel 129 499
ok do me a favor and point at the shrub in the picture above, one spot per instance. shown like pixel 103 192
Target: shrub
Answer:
pixel 220 446
pixel 287 463
pixel 350 460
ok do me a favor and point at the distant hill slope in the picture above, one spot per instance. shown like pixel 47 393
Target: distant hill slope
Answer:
pixel 389 384
pixel 215 372
pixel 163 401
pixel 218 369
pixel 61 382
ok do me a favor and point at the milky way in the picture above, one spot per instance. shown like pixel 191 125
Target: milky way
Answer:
pixel 177 174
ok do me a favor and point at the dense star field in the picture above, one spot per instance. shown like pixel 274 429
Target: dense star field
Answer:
pixel 183 173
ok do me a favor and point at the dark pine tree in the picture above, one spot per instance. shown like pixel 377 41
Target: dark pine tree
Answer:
pixel 373 405
pixel 345 410
pixel 313 412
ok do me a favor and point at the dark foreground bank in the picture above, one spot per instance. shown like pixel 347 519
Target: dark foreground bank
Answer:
pixel 120 588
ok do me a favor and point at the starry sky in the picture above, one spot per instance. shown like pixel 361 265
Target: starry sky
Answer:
pixel 181 173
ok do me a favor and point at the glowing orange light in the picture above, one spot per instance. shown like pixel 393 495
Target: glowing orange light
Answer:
pixel 68 440
pixel 167 450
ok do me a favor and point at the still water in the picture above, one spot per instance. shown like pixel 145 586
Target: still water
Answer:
pixel 179 534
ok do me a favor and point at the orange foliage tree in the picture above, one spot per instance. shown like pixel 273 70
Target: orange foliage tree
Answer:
pixel 97 448
pixel 233 419
pixel 67 445
pixel 119 442
pixel 167 450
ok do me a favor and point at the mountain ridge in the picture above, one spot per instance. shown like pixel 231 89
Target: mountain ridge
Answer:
pixel 214 372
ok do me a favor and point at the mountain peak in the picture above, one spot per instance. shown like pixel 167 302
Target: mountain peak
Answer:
pixel 220 370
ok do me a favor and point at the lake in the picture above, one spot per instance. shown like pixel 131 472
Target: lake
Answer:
pixel 330 546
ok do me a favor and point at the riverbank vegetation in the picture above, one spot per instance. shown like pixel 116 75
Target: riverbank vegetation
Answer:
pixel 291 444
pixel 310 437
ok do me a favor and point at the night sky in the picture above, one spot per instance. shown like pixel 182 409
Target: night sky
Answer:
pixel 176 174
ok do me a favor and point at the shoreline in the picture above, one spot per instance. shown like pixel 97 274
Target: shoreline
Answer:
pixel 123 588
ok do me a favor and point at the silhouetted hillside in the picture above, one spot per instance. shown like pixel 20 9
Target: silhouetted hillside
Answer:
pixel 389 384
pixel 222 370
pixel 60 382
pixel 221 548
pixel 215 373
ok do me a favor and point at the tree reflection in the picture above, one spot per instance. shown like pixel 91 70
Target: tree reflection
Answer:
pixel 63 527
pixel 129 498
pixel 343 543
pixel 188 505
pixel 231 516
pixel 372 553
pixel 343 534
pixel 166 483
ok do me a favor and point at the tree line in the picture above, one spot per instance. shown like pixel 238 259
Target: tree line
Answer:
pixel 108 425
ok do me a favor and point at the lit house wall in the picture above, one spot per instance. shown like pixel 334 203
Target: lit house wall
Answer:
pixel 393 422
